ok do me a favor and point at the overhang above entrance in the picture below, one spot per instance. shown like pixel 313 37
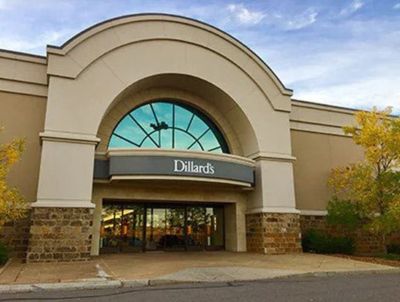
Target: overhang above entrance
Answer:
pixel 128 164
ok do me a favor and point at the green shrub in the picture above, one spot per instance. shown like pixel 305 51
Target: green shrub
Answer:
pixel 344 214
pixel 393 249
pixel 321 243
pixel 3 254
pixel 390 256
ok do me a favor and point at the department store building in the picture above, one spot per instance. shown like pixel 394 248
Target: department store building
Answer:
pixel 157 132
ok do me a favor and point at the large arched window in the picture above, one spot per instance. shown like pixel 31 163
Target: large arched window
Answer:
pixel 169 125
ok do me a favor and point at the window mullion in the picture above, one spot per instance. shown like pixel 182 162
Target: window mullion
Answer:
pixel 197 140
pixel 173 126
pixel 144 130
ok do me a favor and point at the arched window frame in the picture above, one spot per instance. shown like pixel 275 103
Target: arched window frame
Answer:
pixel 159 125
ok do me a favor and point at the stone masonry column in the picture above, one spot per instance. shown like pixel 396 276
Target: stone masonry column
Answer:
pixel 272 221
pixel 273 233
pixel 62 216
pixel 60 234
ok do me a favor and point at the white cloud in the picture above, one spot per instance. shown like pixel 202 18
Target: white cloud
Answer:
pixel 308 17
pixel 396 6
pixel 35 44
pixel 352 8
pixel 347 72
pixel 244 15
pixel 334 77
pixel 379 92
pixel 281 20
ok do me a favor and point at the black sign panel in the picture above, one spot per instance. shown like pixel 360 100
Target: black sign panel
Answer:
pixel 173 166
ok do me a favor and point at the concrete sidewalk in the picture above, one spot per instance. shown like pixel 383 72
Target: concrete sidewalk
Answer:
pixel 161 268
pixel 225 266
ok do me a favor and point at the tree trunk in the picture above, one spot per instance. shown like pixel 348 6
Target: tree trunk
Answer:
pixel 384 244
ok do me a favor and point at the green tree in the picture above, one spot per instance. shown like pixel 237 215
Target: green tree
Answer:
pixel 366 195
pixel 12 204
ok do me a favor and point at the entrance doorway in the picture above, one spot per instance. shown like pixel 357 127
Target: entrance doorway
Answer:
pixel 134 227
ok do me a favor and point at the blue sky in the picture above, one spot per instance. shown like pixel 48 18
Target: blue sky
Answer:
pixel 341 52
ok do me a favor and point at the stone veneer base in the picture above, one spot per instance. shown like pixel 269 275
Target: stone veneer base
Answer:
pixel 15 235
pixel 273 233
pixel 60 234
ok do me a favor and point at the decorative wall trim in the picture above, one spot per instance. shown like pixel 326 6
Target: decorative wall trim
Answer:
pixel 271 156
pixel 20 87
pixel 69 137
pixel 322 129
pixel 320 118
pixel 22 56
pixel 180 178
pixel 313 212
pixel 323 107
pixel 273 210
pixel 63 204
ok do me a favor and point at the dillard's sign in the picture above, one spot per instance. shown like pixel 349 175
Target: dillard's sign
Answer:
pixel 173 165
pixel 189 166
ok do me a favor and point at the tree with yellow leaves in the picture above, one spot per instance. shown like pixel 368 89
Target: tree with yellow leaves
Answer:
pixel 12 204
pixel 367 194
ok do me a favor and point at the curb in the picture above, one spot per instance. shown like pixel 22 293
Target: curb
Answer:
pixel 108 284
pixel 79 285
pixel 135 283
pixel 3 268
pixel 25 288
pixel 329 274
pixel 346 273
pixel 162 282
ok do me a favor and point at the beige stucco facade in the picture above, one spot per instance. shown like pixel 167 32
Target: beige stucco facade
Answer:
pixel 67 104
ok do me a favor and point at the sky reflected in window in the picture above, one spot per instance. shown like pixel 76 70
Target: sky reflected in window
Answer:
pixel 168 125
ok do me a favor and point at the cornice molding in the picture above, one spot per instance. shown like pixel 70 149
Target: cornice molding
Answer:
pixel 282 210
pixel 50 203
pixel 313 212
pixel 69 137
pixel 271 156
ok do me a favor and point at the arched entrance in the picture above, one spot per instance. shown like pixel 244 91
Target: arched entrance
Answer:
pixel 136 225
pixel 188 144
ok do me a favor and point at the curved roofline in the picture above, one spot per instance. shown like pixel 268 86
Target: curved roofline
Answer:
pixel 66 43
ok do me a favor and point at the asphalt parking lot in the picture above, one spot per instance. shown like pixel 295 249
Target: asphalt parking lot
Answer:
pixel 350 288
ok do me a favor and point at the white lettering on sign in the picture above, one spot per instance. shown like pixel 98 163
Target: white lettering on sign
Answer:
pixel 189 166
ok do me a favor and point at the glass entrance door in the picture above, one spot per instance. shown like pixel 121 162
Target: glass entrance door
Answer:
pixel 165 228
pixel 196 228
pixel 130 227
pixel 175 235
pixel 122 228
pixel 214 228
pixel 155 228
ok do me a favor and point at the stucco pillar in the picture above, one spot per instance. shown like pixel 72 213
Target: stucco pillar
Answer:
pixel 272 221
pixel 235 237
pixel 95 248
pixel 62 216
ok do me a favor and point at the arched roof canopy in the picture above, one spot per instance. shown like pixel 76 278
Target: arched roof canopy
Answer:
pixel 89 72
pixel 92 44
